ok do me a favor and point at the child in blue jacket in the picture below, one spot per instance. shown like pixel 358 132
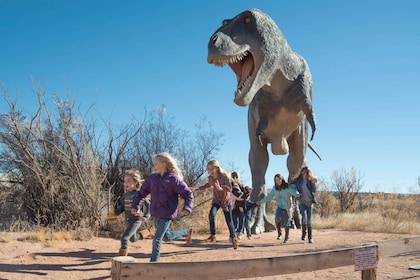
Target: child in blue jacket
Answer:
pixel 282 192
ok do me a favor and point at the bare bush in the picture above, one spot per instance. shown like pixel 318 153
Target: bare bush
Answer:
pixel 54 161
pixel 67 168
pixel 346 185
pixel 327 202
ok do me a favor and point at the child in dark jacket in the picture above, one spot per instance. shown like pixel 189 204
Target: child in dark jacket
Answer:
pixel 239 198
pixel 249 206
pixel 132 223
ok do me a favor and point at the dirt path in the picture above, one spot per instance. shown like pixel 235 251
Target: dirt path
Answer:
pixel 92 259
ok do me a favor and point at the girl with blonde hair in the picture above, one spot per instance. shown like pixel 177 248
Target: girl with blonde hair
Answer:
pixel 306 186
pixel 165 185
pixel 132 180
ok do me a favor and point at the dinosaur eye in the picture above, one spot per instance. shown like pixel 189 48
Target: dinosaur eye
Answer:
pixel 224 22
pixel 247 20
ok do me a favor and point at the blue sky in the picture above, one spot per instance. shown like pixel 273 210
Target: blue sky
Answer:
pixel 125 56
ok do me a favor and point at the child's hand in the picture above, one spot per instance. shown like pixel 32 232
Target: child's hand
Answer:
pixel 184 213
pixel 258 203
pixel 217 185
pixel 142 219
pixel 135 212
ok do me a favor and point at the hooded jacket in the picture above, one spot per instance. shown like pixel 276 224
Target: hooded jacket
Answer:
pixel 165 191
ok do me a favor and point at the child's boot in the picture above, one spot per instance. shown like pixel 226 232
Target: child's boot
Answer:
pixel 303 232
pixel 122 252
pixel 310 234
pixel 278 231
pixel 286 235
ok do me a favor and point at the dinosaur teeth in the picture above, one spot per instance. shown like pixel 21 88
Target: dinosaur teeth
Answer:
pixel 229 60
pixel 245 84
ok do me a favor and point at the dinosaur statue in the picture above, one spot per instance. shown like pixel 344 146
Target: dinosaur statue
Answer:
pixel 276 83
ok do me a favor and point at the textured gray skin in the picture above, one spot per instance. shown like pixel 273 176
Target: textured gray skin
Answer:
pixel 276 84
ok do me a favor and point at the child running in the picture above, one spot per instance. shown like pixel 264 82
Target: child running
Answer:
pixel 164 186
pixel 282 192
pixel 132 222
pixel 222 188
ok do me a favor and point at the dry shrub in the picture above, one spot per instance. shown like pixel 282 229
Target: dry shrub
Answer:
pixel 82 234
pixel 49 235
pixel 61 236
pixel 35 236
pixel 327 204
pixel 324 222
pixel 373 212
pixel 367 222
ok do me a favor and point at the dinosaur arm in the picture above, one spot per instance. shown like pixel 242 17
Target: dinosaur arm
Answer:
pixel 299 96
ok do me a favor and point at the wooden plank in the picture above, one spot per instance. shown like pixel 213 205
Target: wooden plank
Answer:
pixel 128 268
pixel 232 269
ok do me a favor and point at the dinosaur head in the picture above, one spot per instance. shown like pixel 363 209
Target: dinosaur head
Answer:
pixel 252 45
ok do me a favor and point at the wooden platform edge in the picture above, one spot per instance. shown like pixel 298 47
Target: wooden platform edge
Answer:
pixel 128 268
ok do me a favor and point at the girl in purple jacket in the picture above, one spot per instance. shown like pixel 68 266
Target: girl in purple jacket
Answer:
pixel 165 185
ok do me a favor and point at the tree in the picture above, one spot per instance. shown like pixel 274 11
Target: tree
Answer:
pixel 347 185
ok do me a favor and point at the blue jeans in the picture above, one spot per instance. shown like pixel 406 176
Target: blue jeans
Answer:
pixel 248 216
pixel 306 212
pixel 130 233
pixel 175 234
pixel 238 221
pixel 282 218
pixel 162 226
pixel 228 217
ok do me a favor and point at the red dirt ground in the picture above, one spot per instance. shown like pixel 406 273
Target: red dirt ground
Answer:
pixel 92 259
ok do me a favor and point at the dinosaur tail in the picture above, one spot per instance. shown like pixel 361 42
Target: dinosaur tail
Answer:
pixel 313 150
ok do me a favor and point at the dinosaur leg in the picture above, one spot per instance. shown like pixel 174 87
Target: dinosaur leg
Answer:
pixel 297 150
pixel 258 162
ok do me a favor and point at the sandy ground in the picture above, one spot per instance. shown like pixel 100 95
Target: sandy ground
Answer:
pixel 92 259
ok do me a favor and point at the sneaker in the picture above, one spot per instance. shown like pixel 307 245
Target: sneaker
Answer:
pixel 286 241
pixel 249 237
pixel 279 237
pixel 189 236
pixel 211 239
pixel 239 235
pixel 235 243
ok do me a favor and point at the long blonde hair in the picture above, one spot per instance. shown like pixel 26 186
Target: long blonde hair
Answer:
pixel 135 174
pixel 311 175
pixel 171 163
pixel 216 164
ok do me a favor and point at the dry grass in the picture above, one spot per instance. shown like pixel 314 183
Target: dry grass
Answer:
pixel 367 222
pixel 384 213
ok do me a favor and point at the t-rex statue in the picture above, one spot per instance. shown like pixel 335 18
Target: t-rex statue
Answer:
pixel 276 83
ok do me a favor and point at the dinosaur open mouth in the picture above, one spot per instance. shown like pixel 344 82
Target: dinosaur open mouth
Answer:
pixel 243 66
pixel 243 69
